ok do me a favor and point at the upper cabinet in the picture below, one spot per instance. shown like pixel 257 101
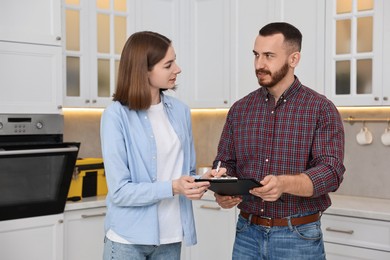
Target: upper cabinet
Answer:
pixel 221 37
pixel 94 35
pixel 30 56
pixel 37 21
pixel 356 51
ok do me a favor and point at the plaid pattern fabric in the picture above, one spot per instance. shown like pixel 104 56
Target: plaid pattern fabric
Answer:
pixel 301 133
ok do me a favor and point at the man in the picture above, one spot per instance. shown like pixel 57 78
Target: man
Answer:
pixel 289 138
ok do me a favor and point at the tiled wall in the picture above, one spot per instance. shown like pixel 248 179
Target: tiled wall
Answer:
pixel 368 167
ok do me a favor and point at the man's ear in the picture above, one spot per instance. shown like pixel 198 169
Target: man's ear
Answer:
pixel 294 59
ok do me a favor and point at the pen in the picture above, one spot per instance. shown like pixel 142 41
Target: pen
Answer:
pixel 218 165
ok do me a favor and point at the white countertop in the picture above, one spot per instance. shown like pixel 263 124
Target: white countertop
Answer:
pixel 351 206
pixel 362 207
pixel 86 203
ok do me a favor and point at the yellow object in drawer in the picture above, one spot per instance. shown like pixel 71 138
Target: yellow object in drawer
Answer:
pixel 88 178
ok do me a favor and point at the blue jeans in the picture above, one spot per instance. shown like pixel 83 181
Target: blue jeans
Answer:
pixel 118 251
pixel 278 243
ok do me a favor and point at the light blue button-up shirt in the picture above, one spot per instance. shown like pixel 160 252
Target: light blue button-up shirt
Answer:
pixel 129 154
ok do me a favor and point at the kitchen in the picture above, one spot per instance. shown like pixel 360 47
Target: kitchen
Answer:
pixel 232 77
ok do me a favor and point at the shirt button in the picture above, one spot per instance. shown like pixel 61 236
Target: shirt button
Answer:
pixel 285 100
pixel 154 157
pixel 146 117
pixel 261 210
pixel 272 112
pixel 266 160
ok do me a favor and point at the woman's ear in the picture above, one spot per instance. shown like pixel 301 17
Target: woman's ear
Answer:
pixel 294 59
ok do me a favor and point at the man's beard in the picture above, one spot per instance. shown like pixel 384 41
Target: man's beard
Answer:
pixel 276 77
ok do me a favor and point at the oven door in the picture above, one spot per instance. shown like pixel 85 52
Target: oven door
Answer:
pixel 35 179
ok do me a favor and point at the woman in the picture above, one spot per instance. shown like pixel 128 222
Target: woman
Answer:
pixel 149 156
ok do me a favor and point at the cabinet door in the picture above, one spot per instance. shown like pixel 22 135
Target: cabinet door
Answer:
pixel 207 83
pixel 354 52
pixel 84 234
pixel 215 228
pixel 37 238
pixel 37 21
pixel 310 69
pixel 30 78
pixel 248 18
pixel 386 54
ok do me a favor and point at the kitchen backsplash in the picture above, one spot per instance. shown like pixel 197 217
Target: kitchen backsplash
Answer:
pixel 368 166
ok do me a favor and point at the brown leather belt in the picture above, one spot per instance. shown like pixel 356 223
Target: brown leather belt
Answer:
pixel 280 222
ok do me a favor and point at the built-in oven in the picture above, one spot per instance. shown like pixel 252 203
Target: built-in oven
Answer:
pixel 36 166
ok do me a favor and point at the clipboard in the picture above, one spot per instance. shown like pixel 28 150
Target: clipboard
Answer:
pixel 231 186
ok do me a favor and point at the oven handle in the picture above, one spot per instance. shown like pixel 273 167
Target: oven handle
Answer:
pixel 37 151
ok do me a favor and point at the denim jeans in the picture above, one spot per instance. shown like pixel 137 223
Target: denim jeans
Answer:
pixel 118 251
pixel 303 242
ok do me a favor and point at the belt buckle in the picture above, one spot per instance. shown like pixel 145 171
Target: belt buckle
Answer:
pixel 269 222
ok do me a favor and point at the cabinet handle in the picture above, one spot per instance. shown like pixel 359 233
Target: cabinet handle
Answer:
pixel 93 215
pixel 87 101
pixel 210 207
pixel 345 231
pixel 385 98
pixel 93 101
pixel 376 98
pixel 58 38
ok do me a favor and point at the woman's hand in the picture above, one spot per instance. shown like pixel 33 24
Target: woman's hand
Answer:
pixel 187 186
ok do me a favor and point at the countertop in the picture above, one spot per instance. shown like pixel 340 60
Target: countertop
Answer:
pixel 350 206
pixel 86 203
pixel 361 207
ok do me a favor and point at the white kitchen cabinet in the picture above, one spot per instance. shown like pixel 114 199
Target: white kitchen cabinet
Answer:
pixel 357 46
pixel 222 69
pixel 215 228
pixel 94 35
pixel 30 56
pixel 386 54
pixel 84 233
pixel 36 238
pixel 30 78
pixel 310 69
pixel 207 59
pixel 27 21
pixel 355 238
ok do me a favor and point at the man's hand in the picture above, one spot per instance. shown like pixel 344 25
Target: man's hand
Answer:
pixel 227 202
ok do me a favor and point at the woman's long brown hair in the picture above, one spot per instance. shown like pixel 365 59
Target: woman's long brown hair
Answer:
pixel 141 52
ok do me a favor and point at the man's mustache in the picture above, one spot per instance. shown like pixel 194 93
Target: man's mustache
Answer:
pixel 263 71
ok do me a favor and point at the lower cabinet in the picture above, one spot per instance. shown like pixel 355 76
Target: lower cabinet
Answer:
pixel 84 234
pixel 215 228
pixel 36 238
pixel 355 238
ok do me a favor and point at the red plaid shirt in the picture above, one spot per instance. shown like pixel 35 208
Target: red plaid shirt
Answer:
pixel 302 133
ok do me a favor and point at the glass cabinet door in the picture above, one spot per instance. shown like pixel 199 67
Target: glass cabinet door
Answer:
pixel 96 32
pixel 353 52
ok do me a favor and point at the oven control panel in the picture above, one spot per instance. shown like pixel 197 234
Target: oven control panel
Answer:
pixel 35 124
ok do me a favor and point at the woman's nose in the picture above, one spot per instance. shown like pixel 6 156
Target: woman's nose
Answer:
pixel 178 69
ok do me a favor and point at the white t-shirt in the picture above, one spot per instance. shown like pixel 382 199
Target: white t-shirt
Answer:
pixel 169 167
